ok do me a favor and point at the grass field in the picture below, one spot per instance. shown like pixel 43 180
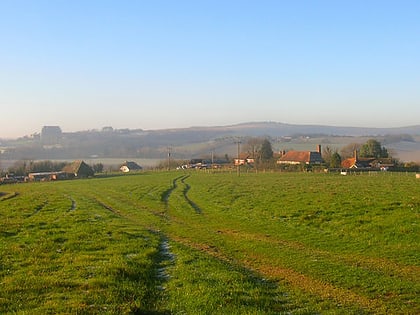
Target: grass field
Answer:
pixel 212 243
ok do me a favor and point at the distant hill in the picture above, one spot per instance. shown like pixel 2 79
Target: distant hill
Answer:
pixel 277 129
pixel 186 143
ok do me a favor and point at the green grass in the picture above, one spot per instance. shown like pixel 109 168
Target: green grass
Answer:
pixel 65 250
pixel 212 243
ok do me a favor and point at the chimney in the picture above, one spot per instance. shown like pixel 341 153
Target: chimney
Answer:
pixel 355 155
pixel 319 149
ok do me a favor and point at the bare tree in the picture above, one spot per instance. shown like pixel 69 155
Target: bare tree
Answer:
pixel 327 153
pixel 254 147
pixel 348 150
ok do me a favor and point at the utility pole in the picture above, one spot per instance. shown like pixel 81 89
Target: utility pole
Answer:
pixel 237 158
pixel 169 158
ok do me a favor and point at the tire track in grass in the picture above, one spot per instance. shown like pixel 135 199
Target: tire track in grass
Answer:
pixel 166 259
pixel 167 193
pixel 7 196
pixel 187 198
pixel 383 265
pixel 73 205
pixel 163 260
pixel 107 207
pixel 268 296
pixel 293 278
pixel 38 208
pixel 319 288
pixel 314 285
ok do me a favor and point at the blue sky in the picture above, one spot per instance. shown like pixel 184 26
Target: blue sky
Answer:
pixel 164 64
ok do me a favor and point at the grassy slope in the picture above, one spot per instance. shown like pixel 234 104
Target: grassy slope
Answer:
pixel 78 246
pixel 201 243
pixel 350 242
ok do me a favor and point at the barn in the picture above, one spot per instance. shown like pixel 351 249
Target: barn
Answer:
pixel 78 169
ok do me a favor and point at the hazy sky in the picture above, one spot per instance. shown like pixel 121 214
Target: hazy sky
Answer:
pixel 162 64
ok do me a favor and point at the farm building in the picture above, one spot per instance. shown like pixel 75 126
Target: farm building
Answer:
pixel 244 158
pixel 78 169
pixel 357 162
pixel 46 176
pixel 130 166
pixel 301 157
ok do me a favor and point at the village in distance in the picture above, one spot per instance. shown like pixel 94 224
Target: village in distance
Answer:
pixel 54 155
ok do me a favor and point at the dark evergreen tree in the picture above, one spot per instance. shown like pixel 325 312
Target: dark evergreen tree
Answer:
pixel 266 150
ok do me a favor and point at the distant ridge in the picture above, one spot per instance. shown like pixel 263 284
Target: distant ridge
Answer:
pixel 278 129
pixel 259 128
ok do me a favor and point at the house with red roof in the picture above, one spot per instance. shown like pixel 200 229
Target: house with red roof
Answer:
pixel 357 162
pixel 301 157
pixel 244 158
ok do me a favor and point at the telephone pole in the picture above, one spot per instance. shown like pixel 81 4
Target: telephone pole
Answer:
pixel 237 158
pixel 169 158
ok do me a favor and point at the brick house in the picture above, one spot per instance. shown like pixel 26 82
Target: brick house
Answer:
pixel 301 157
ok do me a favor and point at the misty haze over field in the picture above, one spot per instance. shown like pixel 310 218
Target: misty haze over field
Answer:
pixel 149 146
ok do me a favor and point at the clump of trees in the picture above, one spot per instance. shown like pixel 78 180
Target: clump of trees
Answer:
pixel 411 167
pixel 98 167
pixel 261 150
pixel 373 148
pixel 331 157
